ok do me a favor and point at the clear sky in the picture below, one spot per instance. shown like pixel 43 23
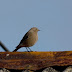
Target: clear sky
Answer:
pixel 52 17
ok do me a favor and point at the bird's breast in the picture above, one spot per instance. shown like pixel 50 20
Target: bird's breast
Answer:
pixel 31 40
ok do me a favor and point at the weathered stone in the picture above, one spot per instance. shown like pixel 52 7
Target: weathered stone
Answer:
pixel 4 70
pixel 49 69
pixel 34 60
pixel 68 69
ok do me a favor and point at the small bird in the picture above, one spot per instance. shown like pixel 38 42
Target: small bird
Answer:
pixel 29 39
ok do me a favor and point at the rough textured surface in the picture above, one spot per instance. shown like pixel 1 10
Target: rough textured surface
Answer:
pixel 68 69
pixel 49 69
pixel 34 60
pixel 4 70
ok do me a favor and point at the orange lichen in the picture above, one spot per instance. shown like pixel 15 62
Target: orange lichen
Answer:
pixel 34 60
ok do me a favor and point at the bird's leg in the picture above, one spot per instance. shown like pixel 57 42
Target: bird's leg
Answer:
pixel 27 49
pixel 30 49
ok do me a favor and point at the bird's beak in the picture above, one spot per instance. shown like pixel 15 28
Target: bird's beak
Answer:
pixel 38 30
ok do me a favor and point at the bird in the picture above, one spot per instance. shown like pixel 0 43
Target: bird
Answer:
pixel 29 39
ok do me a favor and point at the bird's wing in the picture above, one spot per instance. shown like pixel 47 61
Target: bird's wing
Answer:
pixel 24 38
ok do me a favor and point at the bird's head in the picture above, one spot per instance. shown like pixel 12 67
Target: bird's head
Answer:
pixel 35 29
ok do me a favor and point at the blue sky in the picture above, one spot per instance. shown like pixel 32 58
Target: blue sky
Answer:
pixel 52 17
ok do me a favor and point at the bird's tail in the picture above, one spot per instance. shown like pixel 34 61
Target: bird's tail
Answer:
pixel 17 48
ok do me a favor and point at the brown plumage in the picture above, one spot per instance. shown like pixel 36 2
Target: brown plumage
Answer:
pixel 29 39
